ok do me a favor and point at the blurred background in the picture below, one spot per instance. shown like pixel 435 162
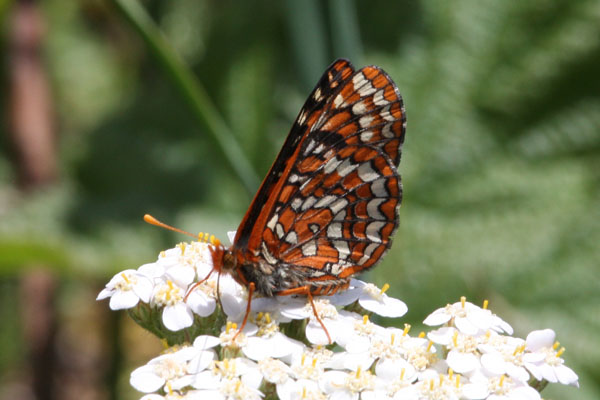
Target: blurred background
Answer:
pixel 112 109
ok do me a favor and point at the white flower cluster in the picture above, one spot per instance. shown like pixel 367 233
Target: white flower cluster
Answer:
pixel 283 351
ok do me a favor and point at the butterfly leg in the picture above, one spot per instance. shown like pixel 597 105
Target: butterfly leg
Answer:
pixel 305 290
pixel 251 288
pixel 195 285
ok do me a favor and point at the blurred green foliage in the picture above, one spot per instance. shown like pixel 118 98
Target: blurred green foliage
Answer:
pixel 501 164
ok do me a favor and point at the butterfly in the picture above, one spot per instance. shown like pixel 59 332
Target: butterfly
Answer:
pixel 329 204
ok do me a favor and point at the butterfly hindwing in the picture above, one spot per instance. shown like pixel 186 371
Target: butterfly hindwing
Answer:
pixel 328 206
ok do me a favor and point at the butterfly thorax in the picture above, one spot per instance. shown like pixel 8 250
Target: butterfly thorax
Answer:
pixel 269 279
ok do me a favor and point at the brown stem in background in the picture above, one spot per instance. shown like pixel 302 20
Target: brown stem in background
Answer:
pixel 31 122
pixel 32 133
pixel 38 289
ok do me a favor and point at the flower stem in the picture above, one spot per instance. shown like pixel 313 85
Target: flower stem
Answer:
pixel 192 91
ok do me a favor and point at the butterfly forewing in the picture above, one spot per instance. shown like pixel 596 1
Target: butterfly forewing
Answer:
pixel 328 206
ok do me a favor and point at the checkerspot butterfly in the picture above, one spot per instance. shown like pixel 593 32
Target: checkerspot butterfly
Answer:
pixel 329 204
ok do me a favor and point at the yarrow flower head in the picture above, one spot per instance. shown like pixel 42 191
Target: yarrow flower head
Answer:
pixel 295 348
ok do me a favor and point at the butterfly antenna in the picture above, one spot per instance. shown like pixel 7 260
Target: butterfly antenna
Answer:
pixel 153 221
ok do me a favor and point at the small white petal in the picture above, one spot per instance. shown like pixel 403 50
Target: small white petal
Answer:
pixel 502 326
pixel 465 326
pixel 438 317
pixel 389 369
pixel 407 393
pixel 386 307
pixel 535 370
pixel 534 357
pixel 566 376
pixel 234 306
pixel 177 317
pixel 202 361
pixel 354 343
pixel 145 380
pixel 231 236
pixel 179 383
pixel 200 303
pixel 350 361
pixel 316 335
pixel 475 391
pixel 524 393
pixel 105 293
pixel 462 362
pixel 152 270
pixel 297 310
pixel 206 380
pixel 548 373
pixel 253 378
pixel 538 339
pixel 517 373
pixel 182 275
pixel 493 363
pixel 331 381
pixel 123 300
pixel 442 336
pixel 259 348
pixel 343 395
pixel 205 342
pixel 143 289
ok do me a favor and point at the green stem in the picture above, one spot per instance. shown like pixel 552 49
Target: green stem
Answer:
pixel 190 88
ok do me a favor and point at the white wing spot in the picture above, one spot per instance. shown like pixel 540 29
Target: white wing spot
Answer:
pixel 359 108
pixel 291 237
pixel 338 101
pixel 311 145
pixel 267 254
pixel 319 149
pixel 368 253
pixel 339 205
pixel 335 269
pixel 309 249
pixel 362 85
pixel 340 216
pixel 374 231
pixel 272 222
pixel 342 248
pixel 378 188
pixel 365 136
pixel 302 117
pixel 378 98
pixel 346 167
pixel 331 165
pixel 365 121
pixel 387 131
pixel 296 203
pixel 308 203
pixel 279 230
pixel 334 230
pixel 325 201
pixel 366 90
pixel 373 208
pixel 358 80
pixel 318 95
pixel 386 114
pixel 366 173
